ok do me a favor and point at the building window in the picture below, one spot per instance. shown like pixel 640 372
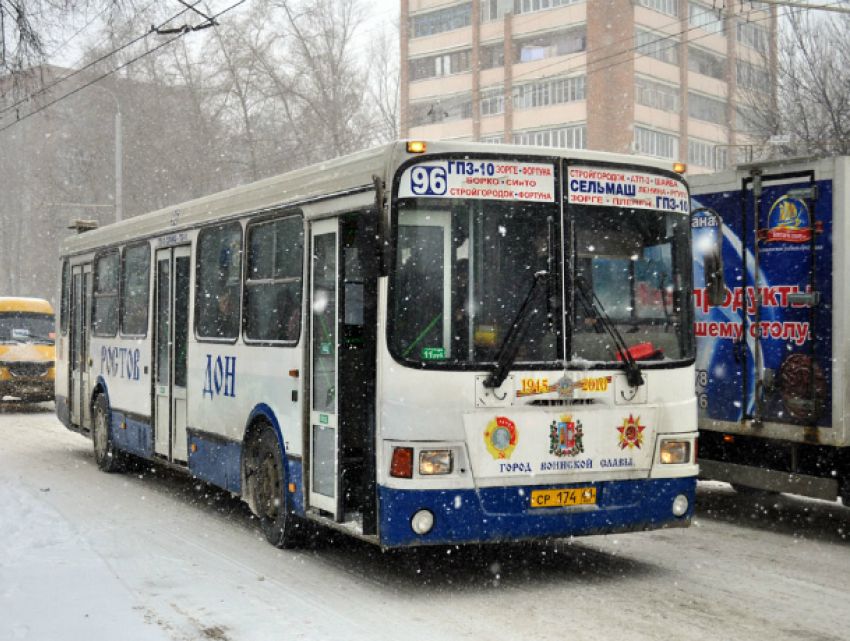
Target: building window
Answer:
pixel 706 18
pixel 750 76
pixel 706 109
pixel 564 138
pixel 721 158
pixel 745 120
pixel 135 290
pixel 429 113
pixel 649 142
pixel 495 9
pixel 428 24
pixel 498 139
pixel 550 45
pixel 442 65
pixel 706 63
pixel 551 92
pixel 530 6
pixel 219 279
pixel 701 154
pixel 753 36
pixel 105 312
pixel 493 56
pixel 656 95
pixel 668 7
pixel 273 284
pixel 493 102
pixel 663 48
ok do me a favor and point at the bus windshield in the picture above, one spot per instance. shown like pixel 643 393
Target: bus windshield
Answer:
pixel 463 268
pixel 26 327
pixel 634 264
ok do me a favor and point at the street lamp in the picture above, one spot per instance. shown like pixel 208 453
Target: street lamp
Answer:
pixel 119 213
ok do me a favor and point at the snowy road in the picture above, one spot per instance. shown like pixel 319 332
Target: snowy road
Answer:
pixel 157 556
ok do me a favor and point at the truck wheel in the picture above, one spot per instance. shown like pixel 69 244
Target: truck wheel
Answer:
pixel 274 510
pixel 107 457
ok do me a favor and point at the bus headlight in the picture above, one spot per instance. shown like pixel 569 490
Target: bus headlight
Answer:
pixel 435 462
pixel 680 505
pixel 422 522
pixel 675 452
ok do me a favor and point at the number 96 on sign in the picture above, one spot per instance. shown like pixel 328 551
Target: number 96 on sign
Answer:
pixel 428 181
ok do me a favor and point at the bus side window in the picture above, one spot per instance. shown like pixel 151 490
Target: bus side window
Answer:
pixel 65 297
pixel 105 312
pixel 219 274
pixel 273 284
pixel 135 290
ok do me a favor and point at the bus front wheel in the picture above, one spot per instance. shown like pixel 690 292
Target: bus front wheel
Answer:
pixel 107 457
pixel 274 511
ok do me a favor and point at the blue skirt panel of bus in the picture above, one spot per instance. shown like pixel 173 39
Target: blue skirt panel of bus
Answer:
pixel 459 515
pixel 294 471
pixel 63 410
pixel 134 437
pixel 216 461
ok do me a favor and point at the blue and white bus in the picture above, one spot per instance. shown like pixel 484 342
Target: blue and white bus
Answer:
pixel 419 344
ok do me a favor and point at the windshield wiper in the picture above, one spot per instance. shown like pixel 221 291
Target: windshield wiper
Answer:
pixel 510 346
pixel 593 307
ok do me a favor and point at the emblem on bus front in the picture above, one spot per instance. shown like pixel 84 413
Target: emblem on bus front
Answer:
pixel 565 437
pixel 631 434
pixel 501 437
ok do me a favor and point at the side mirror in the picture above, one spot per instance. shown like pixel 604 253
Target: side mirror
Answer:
pixel 715 283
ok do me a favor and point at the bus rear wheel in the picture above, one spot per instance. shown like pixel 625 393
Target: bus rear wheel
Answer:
pixel 280 525
pixel 108 458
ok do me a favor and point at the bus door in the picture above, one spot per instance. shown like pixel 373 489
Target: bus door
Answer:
pixel 324 361
pixel 785 299
pixel 81 298
pixel 171 333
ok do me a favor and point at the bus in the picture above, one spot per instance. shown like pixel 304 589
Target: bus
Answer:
pixel 26 350
pixel 424 343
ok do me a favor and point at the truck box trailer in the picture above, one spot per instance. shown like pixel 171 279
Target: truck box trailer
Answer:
pixel 772 246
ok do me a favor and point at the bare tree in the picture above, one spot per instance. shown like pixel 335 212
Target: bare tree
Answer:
pixel 383 83
pixel 811 107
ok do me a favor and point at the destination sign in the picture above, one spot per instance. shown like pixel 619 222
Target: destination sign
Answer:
pixel 481 179
pixel 632 189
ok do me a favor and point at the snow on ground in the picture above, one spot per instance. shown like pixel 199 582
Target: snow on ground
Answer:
pixel 154 555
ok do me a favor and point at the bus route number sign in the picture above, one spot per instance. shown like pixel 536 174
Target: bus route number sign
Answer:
pixel 610 187
pixel 482 179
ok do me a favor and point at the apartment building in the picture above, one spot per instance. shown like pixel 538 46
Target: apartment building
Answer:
pixel 667 78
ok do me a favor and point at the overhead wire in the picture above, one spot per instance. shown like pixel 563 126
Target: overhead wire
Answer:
pixel 76 72
pixel 110 72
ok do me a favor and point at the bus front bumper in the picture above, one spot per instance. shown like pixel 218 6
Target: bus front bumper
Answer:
pixel 504 514
pixel 28 389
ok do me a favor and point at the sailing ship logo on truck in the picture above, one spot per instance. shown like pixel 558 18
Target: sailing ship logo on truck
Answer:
pixel 788 221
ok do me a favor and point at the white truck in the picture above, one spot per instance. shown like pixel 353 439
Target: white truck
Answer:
pixel 773 326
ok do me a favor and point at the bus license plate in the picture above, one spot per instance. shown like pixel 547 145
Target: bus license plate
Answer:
pixel 561 498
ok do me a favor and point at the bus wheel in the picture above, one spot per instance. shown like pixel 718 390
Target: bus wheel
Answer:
pixel 106 456
pixel 274 511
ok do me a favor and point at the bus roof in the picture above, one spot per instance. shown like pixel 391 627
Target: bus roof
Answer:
pixel 19 304
pixel 299 188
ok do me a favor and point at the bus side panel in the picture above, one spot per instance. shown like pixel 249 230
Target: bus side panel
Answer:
pixel 216 460
pixel 125 366
pixel 226 383
pixel 131 434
